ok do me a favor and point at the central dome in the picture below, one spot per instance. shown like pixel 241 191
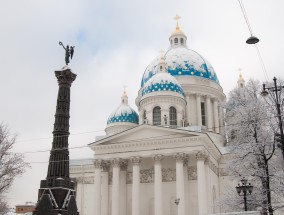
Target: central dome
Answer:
pixel 182 61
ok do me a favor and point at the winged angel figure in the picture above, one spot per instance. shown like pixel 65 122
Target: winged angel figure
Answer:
pixel 69 52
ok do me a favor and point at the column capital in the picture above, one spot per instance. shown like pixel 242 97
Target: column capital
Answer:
pixel 135 160
pixel 157 158
pixel 115 162
pixel 106 166
pixel 98 163
pixel 180 157
pixel 198 94
pixel 208 97
pixel 201 155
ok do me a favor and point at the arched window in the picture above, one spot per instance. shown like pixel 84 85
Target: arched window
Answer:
pixel 176 41
pixel 157 116
pixel 181 41
pixel 173 116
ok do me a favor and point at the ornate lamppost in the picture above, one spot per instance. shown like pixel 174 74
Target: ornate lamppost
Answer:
pixel 244 189
pixel 274 91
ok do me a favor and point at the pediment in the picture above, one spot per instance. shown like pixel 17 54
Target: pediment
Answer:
pixel 145 133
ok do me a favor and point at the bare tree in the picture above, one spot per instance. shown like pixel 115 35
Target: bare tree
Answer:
pixel 251 142
pixel 11 164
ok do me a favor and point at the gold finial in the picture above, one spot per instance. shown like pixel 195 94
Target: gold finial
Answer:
pixel 162 53
pixel 124 89
pixel 240 73
pixel 177 18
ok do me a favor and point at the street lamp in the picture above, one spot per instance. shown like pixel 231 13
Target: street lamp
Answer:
pixel 252 40
pixel 244 189
pixel 276 99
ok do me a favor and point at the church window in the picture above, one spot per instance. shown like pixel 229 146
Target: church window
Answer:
pixel 181 41
pixel 203 114
pixel 176 41
pixel 157 116
pixel 173 116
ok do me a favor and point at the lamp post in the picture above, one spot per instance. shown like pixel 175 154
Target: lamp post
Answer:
pixel 244 189
pixel 275 89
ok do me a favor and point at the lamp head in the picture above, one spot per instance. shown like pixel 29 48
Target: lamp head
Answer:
pixel 252 40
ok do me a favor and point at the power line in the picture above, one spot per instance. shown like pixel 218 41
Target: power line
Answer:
pixel 165 137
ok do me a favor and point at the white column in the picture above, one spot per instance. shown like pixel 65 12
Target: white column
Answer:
pixel 97 203
pixel 221 120
pixel 122 187
pixel 198 110
pixel 135 185
pixel 216 116
pixel 209 113
pixel 180 157
pixel 115 186
pixel 201 183
pixel 105 190
pixel 158 184
pixel 187 110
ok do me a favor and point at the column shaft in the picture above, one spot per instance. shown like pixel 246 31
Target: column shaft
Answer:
pixel 97 204
pixel 135 185
pixel 180 183
pixel 216 116
pixel 209 114
pixel 158 184
pixel 115 186
pixel 198 110
pixel 201 183
pixel 187 111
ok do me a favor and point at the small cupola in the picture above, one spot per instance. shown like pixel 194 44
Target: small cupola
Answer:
pixel 241 81
pixel 177 38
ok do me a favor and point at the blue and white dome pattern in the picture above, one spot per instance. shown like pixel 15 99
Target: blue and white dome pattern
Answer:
pixel 124 113
pixel 182 61
pixel 162 82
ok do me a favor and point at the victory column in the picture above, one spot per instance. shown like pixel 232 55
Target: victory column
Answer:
pixel 57 194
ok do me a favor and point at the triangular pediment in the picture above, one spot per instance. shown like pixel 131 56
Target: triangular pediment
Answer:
pixel 144 133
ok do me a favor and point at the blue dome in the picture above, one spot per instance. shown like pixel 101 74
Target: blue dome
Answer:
pixel 124 113
pixel 162 82
pixel 182 61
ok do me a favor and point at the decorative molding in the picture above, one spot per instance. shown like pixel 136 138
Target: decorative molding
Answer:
pixel 157 159
pixel 106 166
pixel 98 163
pixel 201 155
pixel 180 157
pixel 147 175
pixel 192 172
pixel 85 180
pixel 223 172
pixel 135 160
pixel 116 162
pixel 123 165
pixel 168 175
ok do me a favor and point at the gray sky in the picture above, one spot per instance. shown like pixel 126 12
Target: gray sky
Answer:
pixel 115 41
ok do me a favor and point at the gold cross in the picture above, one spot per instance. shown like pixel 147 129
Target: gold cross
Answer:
pixel 177 18
pixel 162 53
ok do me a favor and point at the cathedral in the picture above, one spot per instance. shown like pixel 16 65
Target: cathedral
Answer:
pixel 167 159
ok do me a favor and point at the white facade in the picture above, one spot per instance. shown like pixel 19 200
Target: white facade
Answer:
pixel 167 160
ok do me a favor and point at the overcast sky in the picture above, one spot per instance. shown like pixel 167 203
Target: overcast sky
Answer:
pixel 114 42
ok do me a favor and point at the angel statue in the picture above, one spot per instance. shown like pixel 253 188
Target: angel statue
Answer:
pixel 69 51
